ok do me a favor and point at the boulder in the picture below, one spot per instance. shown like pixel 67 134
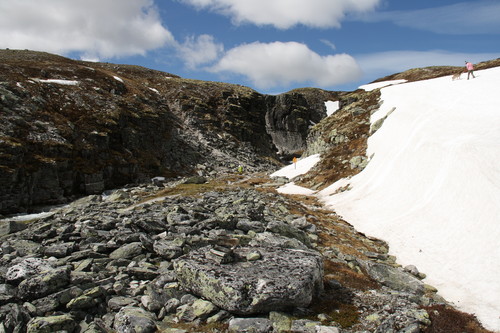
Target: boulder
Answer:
pixel 27 268
pixel 127 251
pixel 9 227
pixel 393 277
pixel 44 283
pixel 280 279
pixel 134 319
pixel 51 324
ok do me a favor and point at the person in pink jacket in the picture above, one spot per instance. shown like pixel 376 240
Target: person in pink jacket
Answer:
pixel 470 69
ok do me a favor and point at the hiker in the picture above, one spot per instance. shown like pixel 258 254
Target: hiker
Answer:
pixel 240 169
pixel 470 69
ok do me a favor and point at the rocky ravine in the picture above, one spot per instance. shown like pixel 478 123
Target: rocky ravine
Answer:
pixel 71 128
pixel 230 255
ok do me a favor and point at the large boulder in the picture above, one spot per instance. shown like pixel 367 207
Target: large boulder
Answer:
pixel 393 277
pixel 134 319
pixel 280 279
pixel 45 283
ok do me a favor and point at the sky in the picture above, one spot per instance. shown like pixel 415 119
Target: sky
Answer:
pixel 433 196
pixel 272 46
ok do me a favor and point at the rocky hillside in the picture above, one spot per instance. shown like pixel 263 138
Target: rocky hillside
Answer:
pixel 70 128
pixel 230 255
pixel 218 252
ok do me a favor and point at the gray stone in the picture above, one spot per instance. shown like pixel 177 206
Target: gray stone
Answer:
pixel 51 324
pixel 27 268
pixel 327 329
pixel 44 283
pixel 269 239
pixel 133 319
pixel 9 227
pixel 168 249
pixel 304 326
pixel 118 302
pixel 250 325
pixel 282 322
pixel 393 277
pixel 81 303
pixel 127 251
pixel 281 279
pixel 247 225
pixel 289 231
pixel 59 250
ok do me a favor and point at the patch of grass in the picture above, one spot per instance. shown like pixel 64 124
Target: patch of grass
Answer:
pixel 445 319
pixel 347 277
pixel 337 305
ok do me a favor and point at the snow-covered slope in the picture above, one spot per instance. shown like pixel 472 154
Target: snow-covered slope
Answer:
pixel 432 187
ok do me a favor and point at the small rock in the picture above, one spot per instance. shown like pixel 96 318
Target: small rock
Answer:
pixel 250 325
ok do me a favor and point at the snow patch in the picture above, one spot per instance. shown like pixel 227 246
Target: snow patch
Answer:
pixel 291 188
pixel 56 81
pixel 302 166
pixel 331 107
pixel 432 188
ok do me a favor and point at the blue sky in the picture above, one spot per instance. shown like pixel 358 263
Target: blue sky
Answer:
pixel 270 45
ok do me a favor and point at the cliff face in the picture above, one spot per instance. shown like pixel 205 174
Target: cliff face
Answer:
pixel 70 128
pixel 291 115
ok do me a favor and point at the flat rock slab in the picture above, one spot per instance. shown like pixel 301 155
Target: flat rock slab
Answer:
pixel 280 279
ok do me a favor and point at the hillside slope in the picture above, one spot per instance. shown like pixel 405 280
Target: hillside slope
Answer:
pixel 432 186
pixel 70 128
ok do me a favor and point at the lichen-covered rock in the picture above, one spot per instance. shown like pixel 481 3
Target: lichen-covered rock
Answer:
pixel 250 325
pixel 393 277
pixel 27 268
pixel 127 251
pixel 52 324
pixel 280 279
pixel 133 319
pixel 44 283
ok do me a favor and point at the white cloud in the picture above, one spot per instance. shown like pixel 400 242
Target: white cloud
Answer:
pixel 281 64
pixel 93 28
pixel 464 18
pixel 284 14
pixel 196 51
pixel 329 44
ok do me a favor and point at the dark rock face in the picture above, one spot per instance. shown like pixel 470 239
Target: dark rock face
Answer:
pixel 72 128
pixel 291 115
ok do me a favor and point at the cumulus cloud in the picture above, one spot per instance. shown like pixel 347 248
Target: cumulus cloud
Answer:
pixel 92 28
pixel 284 14
pixel 269 65
pixel 473 17
pixel 200 50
